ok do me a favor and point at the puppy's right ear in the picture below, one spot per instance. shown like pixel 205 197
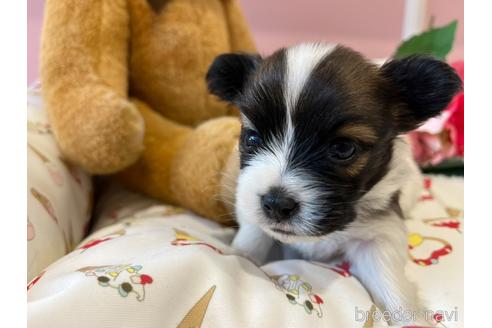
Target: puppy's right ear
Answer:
pixel 228 74
pixel 423 86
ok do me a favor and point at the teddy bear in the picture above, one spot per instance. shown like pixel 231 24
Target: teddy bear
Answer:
pixel 124 85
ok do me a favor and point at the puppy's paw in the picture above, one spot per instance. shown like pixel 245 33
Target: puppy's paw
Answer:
pixel 252 243
pixel 254 257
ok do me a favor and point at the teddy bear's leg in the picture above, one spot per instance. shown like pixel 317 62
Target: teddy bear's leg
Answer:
pixel 190 167
pixel 84 61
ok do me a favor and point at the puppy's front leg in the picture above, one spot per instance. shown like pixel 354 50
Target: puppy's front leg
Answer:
pixel 379 264
pixel 252 242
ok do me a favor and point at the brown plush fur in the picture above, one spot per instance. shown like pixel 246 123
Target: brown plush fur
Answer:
pixel 97 53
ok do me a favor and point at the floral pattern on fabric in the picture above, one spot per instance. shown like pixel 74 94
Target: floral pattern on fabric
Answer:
pixel 452 221
pixel 342 268
pixel 45 202
pixel 94 242
pixel 53 170
pixel 125 278
pixel 35 280
pixel 48 206
pixel 427 250
pixel 416 240
pixel 184 239
pixel 299 292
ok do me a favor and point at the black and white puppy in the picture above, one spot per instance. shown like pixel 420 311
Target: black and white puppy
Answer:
pixel 323 164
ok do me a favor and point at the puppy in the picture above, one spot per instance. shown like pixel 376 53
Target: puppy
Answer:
pixel 323 163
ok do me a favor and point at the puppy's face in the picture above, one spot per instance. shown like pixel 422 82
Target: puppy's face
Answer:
pixel 318 130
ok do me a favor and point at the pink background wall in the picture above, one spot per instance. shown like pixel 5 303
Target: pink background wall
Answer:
pixel 34 23
pixel 372 27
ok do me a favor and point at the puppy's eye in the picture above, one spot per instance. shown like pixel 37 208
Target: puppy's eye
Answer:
pixel 342 149
pixel 252 140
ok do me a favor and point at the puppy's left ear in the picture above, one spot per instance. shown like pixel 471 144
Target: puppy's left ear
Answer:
pixel 228 74
pixel 421 87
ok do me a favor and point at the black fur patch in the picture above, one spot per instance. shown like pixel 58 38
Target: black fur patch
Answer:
pixel 262 102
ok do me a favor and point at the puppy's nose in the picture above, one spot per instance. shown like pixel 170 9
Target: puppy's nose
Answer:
pixel 279 206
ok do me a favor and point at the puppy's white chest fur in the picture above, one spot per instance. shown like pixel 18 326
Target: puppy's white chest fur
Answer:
pixel 324 250
pixel 385 230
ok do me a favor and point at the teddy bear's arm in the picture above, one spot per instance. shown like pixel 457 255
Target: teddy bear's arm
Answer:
pixel 191 167
pixel 84 59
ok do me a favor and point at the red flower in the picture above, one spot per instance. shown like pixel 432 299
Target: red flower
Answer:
pixel 442 137
pixel 456 123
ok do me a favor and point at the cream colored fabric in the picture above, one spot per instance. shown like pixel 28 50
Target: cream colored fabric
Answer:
pixel 58 194
pixel 151 265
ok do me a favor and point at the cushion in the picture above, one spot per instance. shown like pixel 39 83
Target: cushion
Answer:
pixel 152 265
pixel 59 194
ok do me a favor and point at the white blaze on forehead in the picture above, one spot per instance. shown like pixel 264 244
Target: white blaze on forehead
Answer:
pixel 301 60
pixel 270 168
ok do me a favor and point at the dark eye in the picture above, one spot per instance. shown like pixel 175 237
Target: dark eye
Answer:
pixel 342 149
pixel 252 140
